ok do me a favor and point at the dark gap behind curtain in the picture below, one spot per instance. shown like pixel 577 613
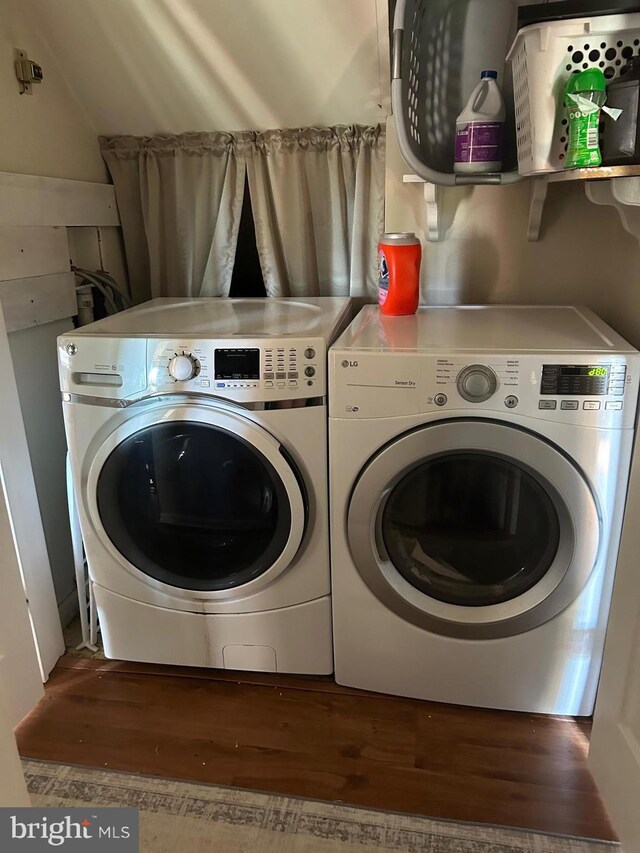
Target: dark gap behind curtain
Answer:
pixel 247 279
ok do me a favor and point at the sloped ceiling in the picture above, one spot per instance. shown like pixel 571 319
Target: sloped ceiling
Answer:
pixel 166 66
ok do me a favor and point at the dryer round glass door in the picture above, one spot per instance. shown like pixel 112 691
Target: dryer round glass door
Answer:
pixel 473 528
pixel 199 499
pixel 470 528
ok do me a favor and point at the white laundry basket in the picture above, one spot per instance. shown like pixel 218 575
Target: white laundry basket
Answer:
pixel 543 56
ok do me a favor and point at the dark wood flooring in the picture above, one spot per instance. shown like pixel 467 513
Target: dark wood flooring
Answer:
pixel 313 738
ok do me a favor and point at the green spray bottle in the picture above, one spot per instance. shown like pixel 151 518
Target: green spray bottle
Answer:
pixel 584 97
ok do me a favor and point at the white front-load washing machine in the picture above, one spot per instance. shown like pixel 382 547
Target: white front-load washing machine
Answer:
pixel 197 440
pixel 479 465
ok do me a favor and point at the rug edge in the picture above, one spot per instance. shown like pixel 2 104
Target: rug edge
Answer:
pixel 341 803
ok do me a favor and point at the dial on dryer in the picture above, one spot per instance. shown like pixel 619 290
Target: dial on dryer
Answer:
pixel 477 383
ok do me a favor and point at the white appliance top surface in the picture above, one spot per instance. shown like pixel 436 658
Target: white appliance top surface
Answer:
pixel 490 328
pixel 222 318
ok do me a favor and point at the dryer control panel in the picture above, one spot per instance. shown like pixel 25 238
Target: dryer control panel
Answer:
pixel 583 380
pixel 242 370
pixel 580 389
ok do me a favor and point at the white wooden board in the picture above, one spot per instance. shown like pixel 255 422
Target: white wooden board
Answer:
pixel 19 668
pixel 24 514
pixel 33 352
pixel 33 200
pixel 32 251
pixel 42 299
pixel 614 755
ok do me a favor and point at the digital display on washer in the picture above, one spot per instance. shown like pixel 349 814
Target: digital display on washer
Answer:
pixel 237 363
pixel 578 380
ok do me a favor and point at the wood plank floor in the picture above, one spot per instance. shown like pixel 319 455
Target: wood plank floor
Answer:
pixel 313 738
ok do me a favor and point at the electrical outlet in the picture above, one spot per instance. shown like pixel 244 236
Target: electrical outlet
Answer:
pixel 27 72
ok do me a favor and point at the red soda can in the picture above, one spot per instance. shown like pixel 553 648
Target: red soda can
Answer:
pixel 399 257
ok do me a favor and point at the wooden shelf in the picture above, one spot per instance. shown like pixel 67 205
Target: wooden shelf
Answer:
pixel 593 173
pixel 597 182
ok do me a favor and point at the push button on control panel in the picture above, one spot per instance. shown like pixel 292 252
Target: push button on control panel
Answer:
pixel 569 405
pixel 547 404
pixel 591 405
pixel 511 401
pixel 440 399
pixel 309 371
pixel 613 405
pixel 617 380
pixel 205 383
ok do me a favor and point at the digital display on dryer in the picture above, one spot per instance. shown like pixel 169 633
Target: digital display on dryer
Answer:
pixel 580 380
pixel 585 370
pixel 237 363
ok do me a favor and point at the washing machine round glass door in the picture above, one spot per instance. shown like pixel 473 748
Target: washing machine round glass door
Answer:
pixel 473 528
pixel 199 498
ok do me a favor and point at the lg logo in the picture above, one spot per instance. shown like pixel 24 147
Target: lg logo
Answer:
pixel 346 363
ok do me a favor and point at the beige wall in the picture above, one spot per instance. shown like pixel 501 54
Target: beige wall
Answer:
pixel 46 133
pixel 145 67
pixel 584 255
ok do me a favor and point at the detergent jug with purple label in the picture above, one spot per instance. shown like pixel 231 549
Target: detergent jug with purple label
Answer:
pixel 480 128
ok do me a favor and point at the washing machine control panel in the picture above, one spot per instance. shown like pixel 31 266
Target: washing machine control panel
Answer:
pixel 243 370
pixel 578 389
pixel 247 370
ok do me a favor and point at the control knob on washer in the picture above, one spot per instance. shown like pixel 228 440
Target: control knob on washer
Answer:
pixel 476 383
pixel 183 367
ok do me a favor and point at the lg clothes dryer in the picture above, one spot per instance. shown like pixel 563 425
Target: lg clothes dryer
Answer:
pixel 197 439
pixel 479 464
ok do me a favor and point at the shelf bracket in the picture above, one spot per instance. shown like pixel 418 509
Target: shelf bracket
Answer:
pixel 537 199
pixel 621 193
pixel 433 202
pixel 441 206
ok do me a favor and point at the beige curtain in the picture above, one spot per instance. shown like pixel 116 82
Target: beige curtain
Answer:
pixel 318 205
pixel 180 200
